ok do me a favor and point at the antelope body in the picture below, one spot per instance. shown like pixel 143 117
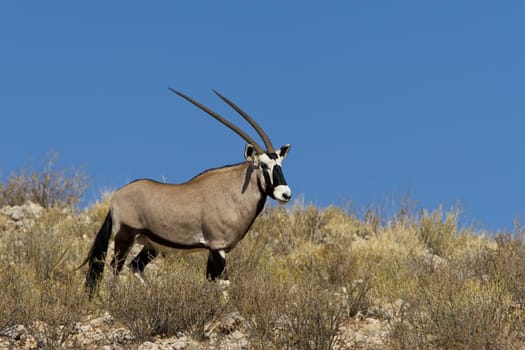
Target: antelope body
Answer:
pixel 213 211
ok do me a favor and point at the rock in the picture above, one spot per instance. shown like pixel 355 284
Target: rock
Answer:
pixel 234 341
pixel 28 210
pixel 179 344
pixel 436 261
pixel 387 311
pixel 18 337
pixel 226 324
pixel 21 216
pixel 111 347
pixel 148 346
pixel 106 319
pixel 229 332
pixel 193 345
pixel 364 333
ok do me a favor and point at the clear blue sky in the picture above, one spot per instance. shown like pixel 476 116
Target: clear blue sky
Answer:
pixel 378 98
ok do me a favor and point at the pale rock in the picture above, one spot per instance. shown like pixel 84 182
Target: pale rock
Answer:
pixel 148 346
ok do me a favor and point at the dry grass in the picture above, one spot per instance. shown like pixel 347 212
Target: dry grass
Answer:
pixel 48 187
pixel 40 288
pixel 296 278
pixel 179 301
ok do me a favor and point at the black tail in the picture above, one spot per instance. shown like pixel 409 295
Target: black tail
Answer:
pixel 97 256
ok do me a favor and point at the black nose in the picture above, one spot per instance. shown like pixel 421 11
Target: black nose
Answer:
pixel 287 196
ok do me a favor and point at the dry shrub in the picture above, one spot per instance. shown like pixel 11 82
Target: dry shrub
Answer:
pixel 310 319
pixel 371 224
pixel 296 301
pixel 286 315
pixel 259 296
pixel 340 226
pixel 296 276
pixel 51 245
pixel 437 230
pixel 336 267
pixel 178 300
pixel 500 260
pixel 38 290
pixel 49 187
pixel 259 283
pixel 506 264
pixel 385 262
pixel 49 309
pixel 57 307
pixel 288 229
pixel 450 309
pixel 15 292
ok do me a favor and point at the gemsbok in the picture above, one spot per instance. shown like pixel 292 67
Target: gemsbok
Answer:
pixel 213 211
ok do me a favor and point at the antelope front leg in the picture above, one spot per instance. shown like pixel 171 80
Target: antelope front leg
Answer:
pixel 215 268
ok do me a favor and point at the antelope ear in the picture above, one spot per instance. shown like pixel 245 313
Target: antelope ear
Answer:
pixel 250 153
pixel 283 151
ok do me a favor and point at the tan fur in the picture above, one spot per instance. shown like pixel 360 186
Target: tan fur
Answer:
pixel 215 208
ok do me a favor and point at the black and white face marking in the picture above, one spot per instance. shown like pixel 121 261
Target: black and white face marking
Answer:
pixel 271 165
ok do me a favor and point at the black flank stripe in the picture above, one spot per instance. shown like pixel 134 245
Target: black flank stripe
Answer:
pixel 167 243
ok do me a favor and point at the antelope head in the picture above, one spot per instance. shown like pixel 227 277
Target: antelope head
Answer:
pixel 268 161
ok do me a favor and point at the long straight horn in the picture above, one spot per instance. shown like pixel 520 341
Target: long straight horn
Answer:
pixel 230 125
pixel 257 127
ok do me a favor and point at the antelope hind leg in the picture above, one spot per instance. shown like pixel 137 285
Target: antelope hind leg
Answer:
pixel 138 264
pixel 124 239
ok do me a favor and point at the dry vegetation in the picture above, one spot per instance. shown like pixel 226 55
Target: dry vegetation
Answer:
pixel 48 187
pixel 300 279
